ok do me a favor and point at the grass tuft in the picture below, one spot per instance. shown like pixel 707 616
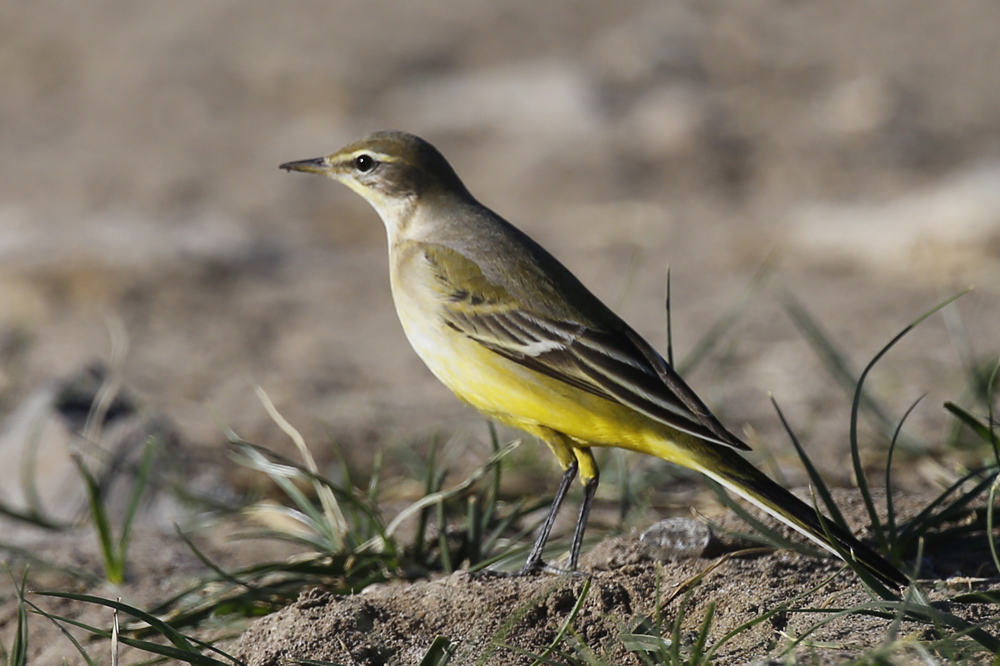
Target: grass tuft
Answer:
pixel 350 543
pixel 114 552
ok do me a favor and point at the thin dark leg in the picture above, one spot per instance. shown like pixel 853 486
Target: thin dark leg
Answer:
pixel 589 490
pixel 534 561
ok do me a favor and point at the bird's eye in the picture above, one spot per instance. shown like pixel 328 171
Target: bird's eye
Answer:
pixel 364 163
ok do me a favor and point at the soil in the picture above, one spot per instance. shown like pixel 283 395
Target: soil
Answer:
pixel 148 242
pixel 620 589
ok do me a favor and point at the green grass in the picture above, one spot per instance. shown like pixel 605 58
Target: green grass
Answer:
pixel 349 543
pixel 114 551
pixel 17 654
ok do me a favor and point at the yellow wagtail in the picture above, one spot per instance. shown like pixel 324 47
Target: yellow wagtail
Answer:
pixel 513 333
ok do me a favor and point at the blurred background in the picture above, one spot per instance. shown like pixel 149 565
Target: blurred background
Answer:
pixel 853 148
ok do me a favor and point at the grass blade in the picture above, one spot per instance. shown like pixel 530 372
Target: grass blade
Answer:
pixel 135 498
pixel 114 567
pixel 181 647
pixel 927 518
pixel 989 523
pixel 699 645
pixel 65 632
pixel 982 429
pixel 565 626
pixel 178 639
pixel 18 655
pixel 890 506
pixel 855 408
pixel 439 653
pixel 334 518
pixel 716 331
pixel 814 476
pixel 669 324
pixel 836 363
pixel 454 491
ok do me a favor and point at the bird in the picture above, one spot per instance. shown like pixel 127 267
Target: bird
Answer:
pixel 513 333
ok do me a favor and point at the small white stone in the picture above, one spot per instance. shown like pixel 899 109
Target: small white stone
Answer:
pixel 676 538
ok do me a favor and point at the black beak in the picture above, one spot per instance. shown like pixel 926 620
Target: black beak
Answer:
pixel 317 165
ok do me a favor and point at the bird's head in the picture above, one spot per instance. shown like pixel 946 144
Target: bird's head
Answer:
pixel 389 169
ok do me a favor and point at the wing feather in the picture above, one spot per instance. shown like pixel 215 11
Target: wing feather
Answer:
pixel 604 364
pixel 606 358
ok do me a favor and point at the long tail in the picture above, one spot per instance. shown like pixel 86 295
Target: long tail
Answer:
pixel 739 476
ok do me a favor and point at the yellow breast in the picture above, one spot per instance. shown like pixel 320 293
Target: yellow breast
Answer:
pixel 506 391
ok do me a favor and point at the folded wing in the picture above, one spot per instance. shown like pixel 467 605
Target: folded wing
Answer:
pixel 616 365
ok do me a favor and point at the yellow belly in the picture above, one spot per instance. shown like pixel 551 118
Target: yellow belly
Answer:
pixel 515 395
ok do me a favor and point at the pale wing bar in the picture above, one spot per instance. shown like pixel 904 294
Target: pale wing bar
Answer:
pixel 615 367
pixel 676 386
pixel 610 366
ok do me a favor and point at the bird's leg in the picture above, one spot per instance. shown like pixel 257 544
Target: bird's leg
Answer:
pixel 534 561
pixel 590 476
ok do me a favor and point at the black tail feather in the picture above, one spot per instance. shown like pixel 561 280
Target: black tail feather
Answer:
pixel 741 477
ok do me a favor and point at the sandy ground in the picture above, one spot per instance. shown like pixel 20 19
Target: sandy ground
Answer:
pixel 144 223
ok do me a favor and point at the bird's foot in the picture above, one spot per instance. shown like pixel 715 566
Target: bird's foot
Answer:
pixel 529 569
